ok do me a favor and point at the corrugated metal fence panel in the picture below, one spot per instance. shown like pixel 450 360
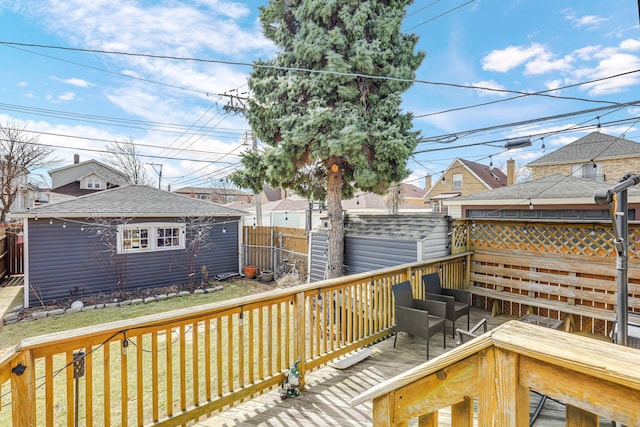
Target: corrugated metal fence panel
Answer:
pixel 438 243
pixel 318 255
pixel 365 254
pixel 68 262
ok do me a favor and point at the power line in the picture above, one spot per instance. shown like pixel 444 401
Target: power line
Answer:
pixel 441 15
pixel 454 136
pixel 308 70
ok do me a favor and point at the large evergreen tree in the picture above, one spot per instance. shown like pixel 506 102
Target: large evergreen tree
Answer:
pixel 331 125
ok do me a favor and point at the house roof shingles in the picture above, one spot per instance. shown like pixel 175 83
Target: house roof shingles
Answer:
pixel 493 177
pixel 595 146
pixel 556 186
pixel 132 201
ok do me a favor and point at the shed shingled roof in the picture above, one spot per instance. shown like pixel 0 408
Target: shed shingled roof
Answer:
pixel 595 146
pixel 132 201
pixel 398 227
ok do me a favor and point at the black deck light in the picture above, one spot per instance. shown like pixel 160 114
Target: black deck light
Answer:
pixel 616 198
pixel 517 143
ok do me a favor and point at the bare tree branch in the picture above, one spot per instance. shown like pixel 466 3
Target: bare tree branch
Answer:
pixel 20 152
pixel 124 156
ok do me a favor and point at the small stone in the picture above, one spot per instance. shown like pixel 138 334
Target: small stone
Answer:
pixel 171 295
pixel 111 305
pixel 11 316
pixel 27 319
pixel 73 310
pixel 218 288
pixel 198 292
pixel 183 293
pixel 125 302
pixel 149 299
pixel 10 322
pixel 88 307
pixel 39 315
pixel 77 304
pixel 56 312
pixel 161 296
pixel 137 301
pixel 99 305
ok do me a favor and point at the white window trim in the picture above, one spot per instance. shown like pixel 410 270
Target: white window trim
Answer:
pixel 152 235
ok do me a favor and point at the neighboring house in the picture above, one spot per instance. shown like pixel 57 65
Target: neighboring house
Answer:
pixel 293 211
pixel 216 195
pixel 130 237
pixel 464 177
pixel 551 197
pixel 413 194
pixel 82 178
pixel 596 156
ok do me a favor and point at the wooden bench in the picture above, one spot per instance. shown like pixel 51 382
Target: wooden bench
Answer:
pixel 575 287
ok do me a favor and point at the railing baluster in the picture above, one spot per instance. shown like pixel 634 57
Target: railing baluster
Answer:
pixel 140 367
pixel 154 376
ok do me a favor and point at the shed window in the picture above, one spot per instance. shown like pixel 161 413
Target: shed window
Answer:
pixel 150 237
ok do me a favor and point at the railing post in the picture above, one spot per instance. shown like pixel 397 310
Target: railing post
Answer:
pixel 299 324
pixel 502 401
pixel 23 392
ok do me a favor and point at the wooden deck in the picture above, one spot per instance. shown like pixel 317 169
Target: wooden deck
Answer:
pixel 328 391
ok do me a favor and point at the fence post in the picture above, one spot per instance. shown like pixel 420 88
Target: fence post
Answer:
pixel 300 332
pixel 23 392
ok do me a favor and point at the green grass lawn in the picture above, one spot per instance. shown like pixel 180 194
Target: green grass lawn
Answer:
pixel 12 334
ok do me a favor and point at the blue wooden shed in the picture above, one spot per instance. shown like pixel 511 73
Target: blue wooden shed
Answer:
pixel 126 238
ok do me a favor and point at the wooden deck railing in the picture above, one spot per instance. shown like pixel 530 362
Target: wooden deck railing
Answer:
pixel 167 369
pixel 592 377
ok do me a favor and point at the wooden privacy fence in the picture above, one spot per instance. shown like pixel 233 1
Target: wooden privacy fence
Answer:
pixel 171 368
pixel 267 247
pixel 497 371
pixel 561 270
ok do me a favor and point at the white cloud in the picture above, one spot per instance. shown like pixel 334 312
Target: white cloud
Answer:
pixel 490 84
pixel 73 81
pixel 631 45
pixel 544 63
pixel 503 60
pixel 23 84
pixel 67 96
pixel 592 22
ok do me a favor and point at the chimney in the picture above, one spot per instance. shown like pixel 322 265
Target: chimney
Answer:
pixel 511 172
pixel 76 159
pixel 427 182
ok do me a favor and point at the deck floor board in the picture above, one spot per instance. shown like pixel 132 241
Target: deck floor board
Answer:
pixel 328 391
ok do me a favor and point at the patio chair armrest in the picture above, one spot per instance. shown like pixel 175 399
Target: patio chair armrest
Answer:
pixel 481 324
pixel 460 295
pixel 440 297
pixel 435 308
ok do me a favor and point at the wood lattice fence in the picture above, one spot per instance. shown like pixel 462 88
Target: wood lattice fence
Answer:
pixel 571 264
pixel 267 247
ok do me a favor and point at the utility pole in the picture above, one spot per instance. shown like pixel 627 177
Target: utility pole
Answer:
pixel 159 172
pixel 237 106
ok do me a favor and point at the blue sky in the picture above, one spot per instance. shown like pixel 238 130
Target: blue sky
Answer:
pixel 79 101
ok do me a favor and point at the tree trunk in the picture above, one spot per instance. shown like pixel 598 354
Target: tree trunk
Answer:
pixel 335 255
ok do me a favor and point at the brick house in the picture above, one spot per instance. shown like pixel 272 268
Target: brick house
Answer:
pixel 595 156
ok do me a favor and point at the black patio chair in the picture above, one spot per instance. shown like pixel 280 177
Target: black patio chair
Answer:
pixel 458 300
pixel 418 317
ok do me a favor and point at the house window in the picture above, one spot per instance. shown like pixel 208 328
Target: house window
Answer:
pixel 457 181
pixel 150 237
pixel 93 183
pixel 591 170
